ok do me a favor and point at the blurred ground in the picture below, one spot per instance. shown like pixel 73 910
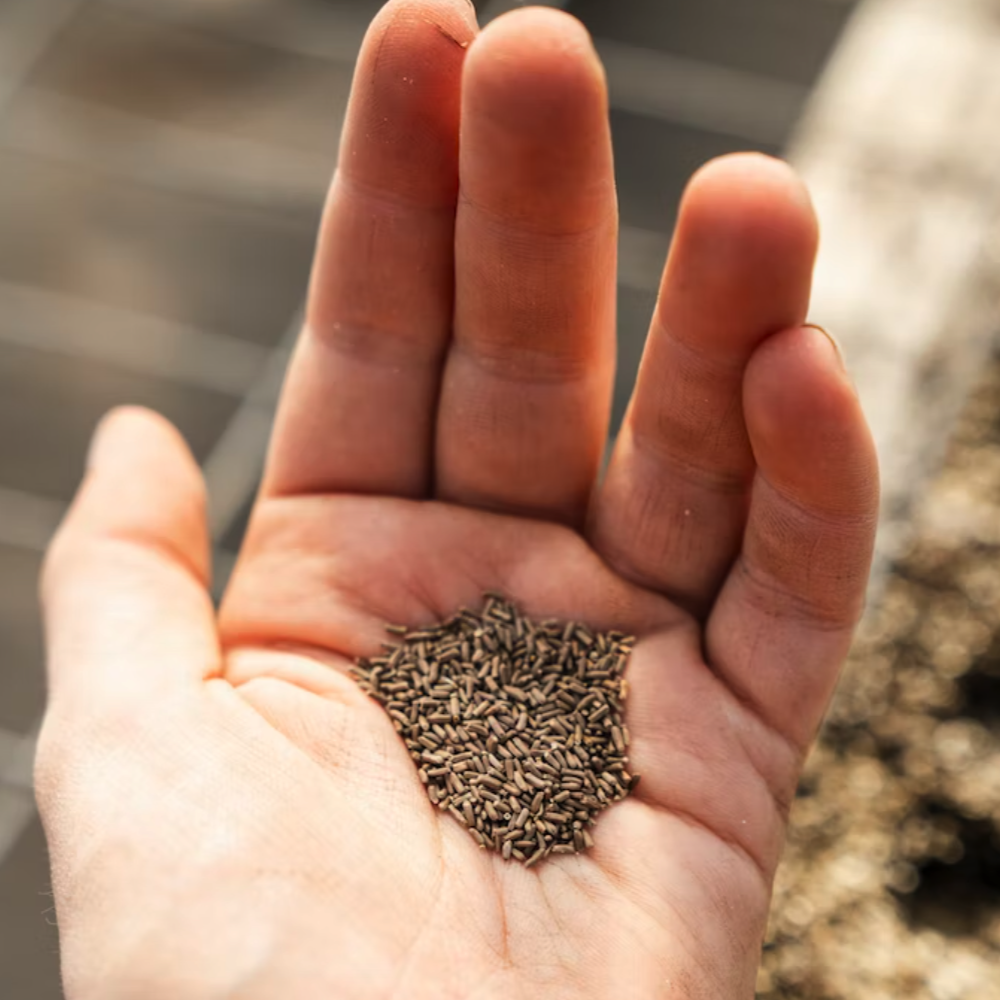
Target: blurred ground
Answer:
pixel 891 884
pixel 162 165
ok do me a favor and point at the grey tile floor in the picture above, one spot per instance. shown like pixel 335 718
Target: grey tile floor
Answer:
pixel 78 231
pixel 655 158
pixel 162 165
pixel 783 39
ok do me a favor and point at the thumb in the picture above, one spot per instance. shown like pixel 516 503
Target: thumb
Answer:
pixel 128 617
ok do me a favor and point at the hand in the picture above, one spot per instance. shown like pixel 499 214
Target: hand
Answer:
pixel 228 815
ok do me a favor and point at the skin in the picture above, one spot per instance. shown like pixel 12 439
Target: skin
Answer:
pixel 228 815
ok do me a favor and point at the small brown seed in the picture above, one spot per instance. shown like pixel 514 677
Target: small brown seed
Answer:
pixel 515 726
pixel 535 858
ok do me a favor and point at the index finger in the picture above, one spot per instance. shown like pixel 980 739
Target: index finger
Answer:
pixel 357 410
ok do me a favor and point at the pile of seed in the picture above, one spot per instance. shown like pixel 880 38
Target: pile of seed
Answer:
pixel 515 725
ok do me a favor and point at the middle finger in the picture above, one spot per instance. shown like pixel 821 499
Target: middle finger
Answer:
pixel 527 384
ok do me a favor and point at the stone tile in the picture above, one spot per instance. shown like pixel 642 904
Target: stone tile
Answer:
pixel 787 39
pixel 211 265
pixel 29 941
pixel 223 563
pixel 653 161
pixel 19 761
pixel 671 88
pixel 149 345
pixel 205 165
pixel 17 809
pixel 327 29
pixel 642 255
pixel 233 538
pixel 56 401
pixel 26 28
pixel 10 743
pixel 22 672
pixel 27 520
pixel 201 79
pixel 635 308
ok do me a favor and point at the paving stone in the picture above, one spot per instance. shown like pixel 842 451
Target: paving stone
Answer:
pixel 653 161
pixel 329 29
pixel 208 264
pixel 171 73
pixel 26 27
pixel 29 941
pixel 233 537
pixel 787 39
pixel 22 673
pixel 56 401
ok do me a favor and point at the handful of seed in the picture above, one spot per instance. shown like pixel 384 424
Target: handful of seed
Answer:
pixel 515 725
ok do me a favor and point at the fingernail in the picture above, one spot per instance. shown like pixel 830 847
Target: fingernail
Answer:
pixel 838 350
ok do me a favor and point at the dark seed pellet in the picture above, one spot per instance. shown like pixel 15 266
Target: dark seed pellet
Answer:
pixel 516 726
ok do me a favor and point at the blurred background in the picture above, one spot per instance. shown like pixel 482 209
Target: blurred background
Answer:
pixel 162 168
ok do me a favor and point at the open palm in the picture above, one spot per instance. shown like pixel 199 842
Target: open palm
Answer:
pixel 228 814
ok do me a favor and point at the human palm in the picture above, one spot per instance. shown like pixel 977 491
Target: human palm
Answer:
pixel 228 814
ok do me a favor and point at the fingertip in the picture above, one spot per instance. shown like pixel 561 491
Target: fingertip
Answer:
pixel 806 426
pixel 537 33
pixel 752 182
pixel 401 130
pixel 834 343
pixel 536 140
pixel 125 431
pixel 410 38
pixel 139 449
pixel 142 483
pixel 793 364
pixel 401 19
pixel 741 262
pixel 745 202
pixel 535 64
